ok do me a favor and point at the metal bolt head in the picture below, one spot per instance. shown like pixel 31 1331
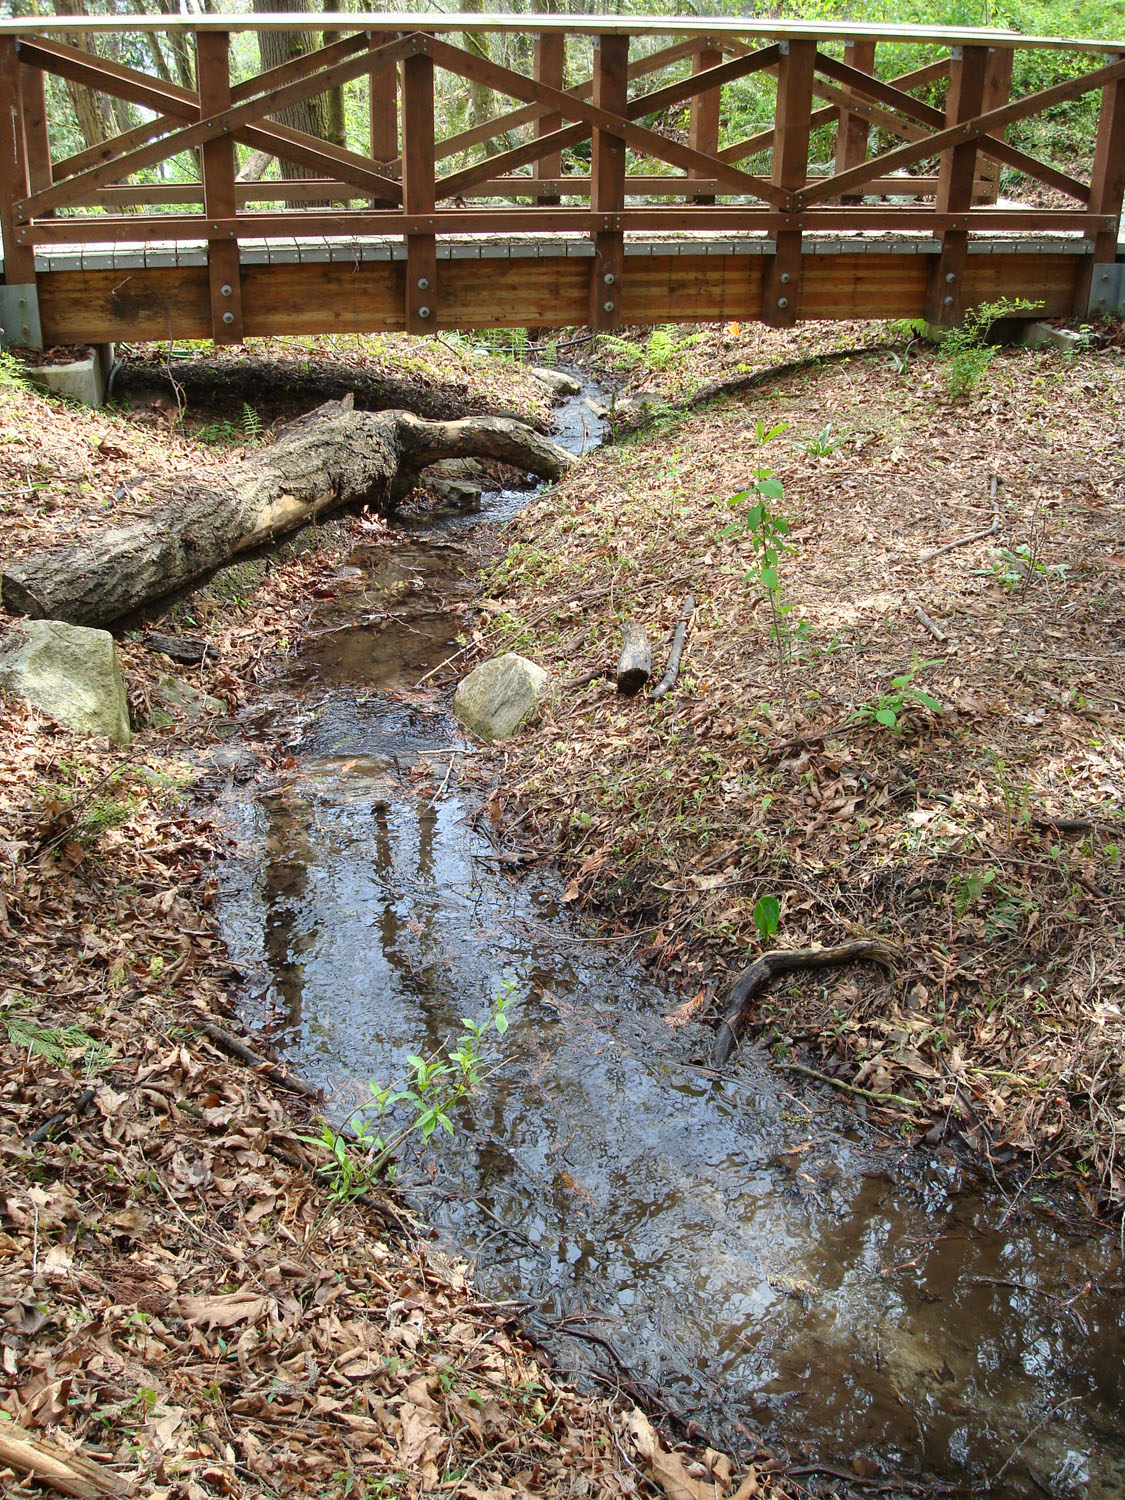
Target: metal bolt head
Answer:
pixel 423 283
pixel 609 278
pixel 228 317
pixel 951 277
pixel 948 301
pixel 423 312
pixel 226 289
pixel 784 278
pixel 783 302
pixel 607 307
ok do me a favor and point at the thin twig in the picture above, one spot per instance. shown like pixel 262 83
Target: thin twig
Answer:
pixel 975 536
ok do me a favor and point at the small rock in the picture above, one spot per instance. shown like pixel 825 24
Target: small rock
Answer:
pixel 500 695
pixel 70 672
pixel 556 381
pixel 599 411
pixel 459 492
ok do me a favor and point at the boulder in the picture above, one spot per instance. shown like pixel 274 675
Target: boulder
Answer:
pixel 556 381
pixel 496 698
pixel 69 672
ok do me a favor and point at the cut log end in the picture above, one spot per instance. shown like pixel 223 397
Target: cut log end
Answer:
pixel 634 666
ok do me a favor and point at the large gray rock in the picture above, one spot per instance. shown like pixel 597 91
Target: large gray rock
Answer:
pixel 69 672
pixel 557 381
pixel 496 698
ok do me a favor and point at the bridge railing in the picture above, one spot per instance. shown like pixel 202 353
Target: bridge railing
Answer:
pixel 406 181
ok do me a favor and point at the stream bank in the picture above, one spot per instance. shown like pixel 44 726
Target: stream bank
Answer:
pixel 773 1268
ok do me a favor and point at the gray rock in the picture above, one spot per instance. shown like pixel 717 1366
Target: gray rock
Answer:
pixel 70 672
pixel 1044 336
pixel 177 695
pixel 499 696
pixel 459 492
pixel 556 381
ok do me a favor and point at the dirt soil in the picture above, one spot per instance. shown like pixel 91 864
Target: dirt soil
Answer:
pixel 916 737
pixel 189 1312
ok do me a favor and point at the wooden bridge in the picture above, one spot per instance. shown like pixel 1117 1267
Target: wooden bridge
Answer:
pixel 504 224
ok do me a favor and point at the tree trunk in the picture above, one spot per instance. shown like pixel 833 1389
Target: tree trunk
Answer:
pixel 321 115
pixel 92 110
pixel 334 456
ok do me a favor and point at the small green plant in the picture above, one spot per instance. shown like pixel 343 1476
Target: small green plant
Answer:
pixel 824 443
pixel 890 707
pixel 362 1153
pixel 767 916
pixel 767 531
pixel 251 423
pixel 965 350
pixel 55 1044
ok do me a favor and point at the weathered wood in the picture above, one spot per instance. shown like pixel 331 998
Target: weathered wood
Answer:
pixel 58 1468
pixel 945 296
pixel 997 92
pixel 854 128
pixel 675 655
pixel 782 291
pixel 19 258
pixel 1107 186
pixel 332 457
pixel 212 69
pixel 607 181
pixel 36 140
pixel 189 650
pixel 383 108
pixel 418 190
pixel 549 64
pixel 634 665
pixel 703 130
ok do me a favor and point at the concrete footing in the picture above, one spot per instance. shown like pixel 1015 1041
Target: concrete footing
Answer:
pixel 82 380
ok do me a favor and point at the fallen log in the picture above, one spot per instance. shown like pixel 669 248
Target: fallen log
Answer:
pixel 188 650
pixel 786 961
pixel 672 671
pixel 634 666
pixel 334 456
pixel 58 1468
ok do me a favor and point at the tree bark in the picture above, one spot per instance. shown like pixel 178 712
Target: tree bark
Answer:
pixel 321 115
pixel 332 457
pixel 634 666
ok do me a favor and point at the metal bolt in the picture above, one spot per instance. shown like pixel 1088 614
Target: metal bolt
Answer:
pixel 949 301
pixel 951 277
pixel 423 312
pixel 609 278
pixel 228 317
pixel 784 278
pixel 607 307
pixel 783 302
pixel 423 283
pixel 226 289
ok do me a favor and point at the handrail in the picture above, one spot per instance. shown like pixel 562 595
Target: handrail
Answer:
pixel 567 25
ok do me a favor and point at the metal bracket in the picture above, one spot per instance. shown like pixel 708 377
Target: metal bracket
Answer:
pixel 19 317
pixel 1107 289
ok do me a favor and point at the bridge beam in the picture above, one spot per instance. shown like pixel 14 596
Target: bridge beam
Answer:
pixel 607 185
pixel 212 63
pixel 945 299
pixel 782 289
pixel 1107 190
pixel 854 129
pixel 418 190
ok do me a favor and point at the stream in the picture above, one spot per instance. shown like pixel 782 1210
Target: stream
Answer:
pixel 778 1270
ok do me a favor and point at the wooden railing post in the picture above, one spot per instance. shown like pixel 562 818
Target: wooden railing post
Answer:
pixel 19 259
pixel 1107 189
pixel 703 133
pixel 607 181
pixel 997 92
pixel 853 131
pixel 383 109
pixel 945 296
pixel 782 285
pixel 212 56
pixel 418 189
pixel 550 59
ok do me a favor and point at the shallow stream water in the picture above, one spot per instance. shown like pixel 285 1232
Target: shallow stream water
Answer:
pixel 775 1268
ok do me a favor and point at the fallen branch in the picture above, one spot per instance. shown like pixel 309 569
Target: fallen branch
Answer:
pixel 974 536
pixel 244 1054
pixel 189 650
pixel 331 457
pixel 735 385
pixel 852 1088
pixel 668 681
pixel 786 961
pixel 61 1117
pixel 47 1463
pixel 935 630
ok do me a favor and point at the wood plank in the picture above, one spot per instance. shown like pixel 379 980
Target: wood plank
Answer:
pixel 553 292
pixel 945 301
pixel 1107 188
pixel 101 307
pixel 997 91
pixel 854 129
pixel 703 129
pixel 19 258
pixel 36 137
pixel 781 296
pixel 549 66
pixel 212 71
pixel 607 181
pixel 1047 281
pixel 421 289
pixel 382 111
pixel 693 289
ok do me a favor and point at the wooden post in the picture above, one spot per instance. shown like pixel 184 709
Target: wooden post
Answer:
pixel 607 181
pixel 383 109
pixel 997 92
pixel 853 130
pixel 36 141
pixel 782 285
pixel 212 55
pixel 945 298
pixel 19 259
pixel 703 133
pixel 418 189
pixel 1107 188
pixel 550 60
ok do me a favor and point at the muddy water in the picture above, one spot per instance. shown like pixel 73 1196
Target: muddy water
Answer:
pixel 775 1269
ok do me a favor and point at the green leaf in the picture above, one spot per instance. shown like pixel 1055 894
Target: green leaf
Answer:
pixel 767 915
pixel 770 579
pixel 926 701
pixel 886 716
pixel 501 1022
pixel 771 489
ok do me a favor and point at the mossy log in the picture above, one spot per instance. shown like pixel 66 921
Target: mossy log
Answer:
pixel 334 456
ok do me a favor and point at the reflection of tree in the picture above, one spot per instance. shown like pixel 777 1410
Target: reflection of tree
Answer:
pixel 290 852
